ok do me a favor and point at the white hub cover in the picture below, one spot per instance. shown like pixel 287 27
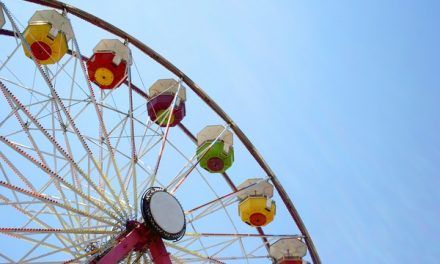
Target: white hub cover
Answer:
pixel 167 212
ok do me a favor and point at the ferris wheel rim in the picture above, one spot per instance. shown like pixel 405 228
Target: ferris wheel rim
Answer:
pixel 201 94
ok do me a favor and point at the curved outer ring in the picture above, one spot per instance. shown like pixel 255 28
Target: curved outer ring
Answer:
pixel 211 103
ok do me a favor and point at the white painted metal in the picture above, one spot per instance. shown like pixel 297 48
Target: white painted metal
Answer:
pixel 259 187
pixel 167 212
pixel 115 46
pixel 213 132
pixel 57 21
pixel 288 247
pixel 168 86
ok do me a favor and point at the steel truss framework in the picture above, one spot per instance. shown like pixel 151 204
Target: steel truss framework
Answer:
pixel 92 181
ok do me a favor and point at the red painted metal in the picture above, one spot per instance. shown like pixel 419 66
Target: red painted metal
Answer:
pixel 257 219
pixel 137 238
pixel 105 60
pixel 215 164
pixel 291 261
pixel 41 50
pixel 159 252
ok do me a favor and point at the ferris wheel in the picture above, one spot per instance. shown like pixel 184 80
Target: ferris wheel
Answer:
pixel 110 154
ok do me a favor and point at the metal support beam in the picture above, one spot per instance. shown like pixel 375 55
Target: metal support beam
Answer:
pixel 136 238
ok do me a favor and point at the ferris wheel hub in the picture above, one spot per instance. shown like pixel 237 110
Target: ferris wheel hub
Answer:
pixel 163 214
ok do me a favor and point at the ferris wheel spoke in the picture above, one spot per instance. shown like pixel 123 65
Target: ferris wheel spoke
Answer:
pixel 82 256
pixel 175 259
pixel 36 246
pixel 5 175
pixel 119 137
pixel 223 205
pixel 48 200
pixel 134 158
pixel 230 258
pixel 62 106
pixel 57 231
pixel 148 147
pixel 4 63
pixel 246 235
pixel 61 69
pixel 57 184
pixel 219 204
pixel 124 166
pixel 230 183
pixel 200 241
pixel 6 258
pixel 72 83
pixel 73 170
pixel 33 93
pixel 18 81
pixel 165 136
pixel 128 167
pixel 116 110
pixel 62 151
pixel 182 176
pixel 121 125
pixel 34 218
pixel 199 256
pixel 20 203
pixel 54 212
pixel 213 205
pixel 217 200
pixel 14 193
pixel 33 150
pixel 55 176
pixel 143 150
pixel 222 246
pixel 139 76
pixel 25 128
pixel 79 244
pixel 37 149
pixel 37 241
pixel 240 240
pixel 103 128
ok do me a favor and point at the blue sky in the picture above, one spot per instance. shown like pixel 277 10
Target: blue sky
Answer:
pixel 340 97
